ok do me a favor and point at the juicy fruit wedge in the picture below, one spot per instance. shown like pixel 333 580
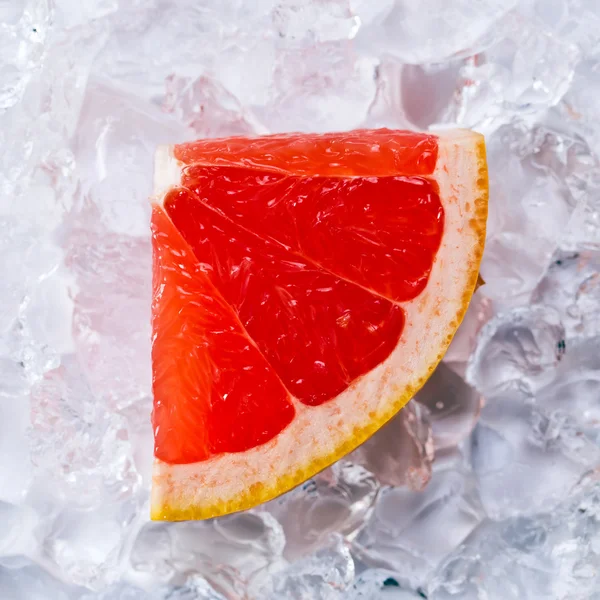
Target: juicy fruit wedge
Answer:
pixel 305 287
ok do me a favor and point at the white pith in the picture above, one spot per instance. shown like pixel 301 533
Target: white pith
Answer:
pixel 321 430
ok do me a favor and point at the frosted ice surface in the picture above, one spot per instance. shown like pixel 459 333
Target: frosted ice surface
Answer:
pixel 484 487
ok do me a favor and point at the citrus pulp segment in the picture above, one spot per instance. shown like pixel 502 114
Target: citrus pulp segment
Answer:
pixel 305 286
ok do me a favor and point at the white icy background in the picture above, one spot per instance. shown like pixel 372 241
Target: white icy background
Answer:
pixel 488 487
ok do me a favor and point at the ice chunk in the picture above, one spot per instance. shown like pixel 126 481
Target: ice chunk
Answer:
pixel 111 319
pixel 530 204
pixel 572 398
pixel 431 31
pixel 517 446
pixel 336 500
pixel 517 347
pixel 549 555
pixel 17 530
pixel 480 311
pixel 11 11
pixel 325 21
pixel 235 554
pixel 208 108
pixel 86 545
pixel 320 88
pixel 22 40
pixel 116 140
pixel 576 21
pixel 401 452
pixel 92 462
pixel 15 468
pixel 323 576
pixel 87 91
pixel 48 313
pixel 151 554
pixel 72 14
pixel 24 261
pixel 572 286
pixel 453 406
pixel 387 108
pixel 21 579
pixel 410 532
pixel 427 90
pixel 195 588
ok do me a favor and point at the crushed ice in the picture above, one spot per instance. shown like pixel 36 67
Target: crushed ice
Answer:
pixel 487 487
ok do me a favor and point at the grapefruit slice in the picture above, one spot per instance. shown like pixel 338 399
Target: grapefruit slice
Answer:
pixel 305 287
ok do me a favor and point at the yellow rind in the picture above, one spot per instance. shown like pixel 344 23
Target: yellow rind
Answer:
pixel 258 493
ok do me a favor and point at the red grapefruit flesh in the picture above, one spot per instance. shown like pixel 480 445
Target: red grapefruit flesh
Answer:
pixel 305 286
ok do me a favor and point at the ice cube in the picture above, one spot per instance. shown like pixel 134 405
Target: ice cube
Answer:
pixel 432 31
pixel 401 452
pixel 22 42
pixel 480 311
pixel 208 108
pixel 572 396
pixel 548 555
pixel 336 500
pixel 92 462
pixel 410 532
pixel 517 447
pixel 325 575
pixel 528 213
pixel 325 21
pixel 22 579
pixel 15 468
pixel 89 89
pixel 572 286
pixel 11 11
pixel 71 15
pixel 521 346
pixel 17 530
pixel 115 142
pixel 111 319
pixel 87 545
pixel 235 554
pixel 320 88
pixel 453 406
